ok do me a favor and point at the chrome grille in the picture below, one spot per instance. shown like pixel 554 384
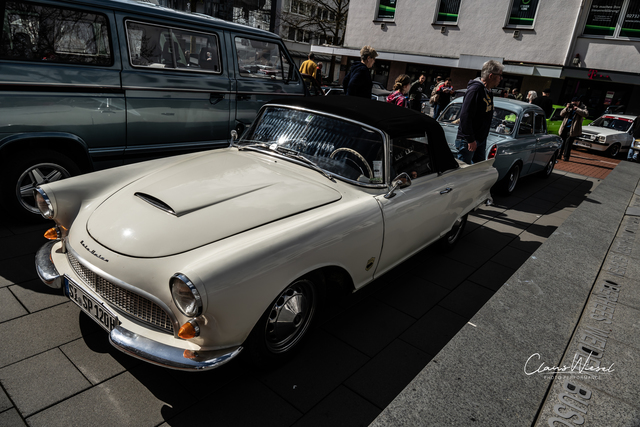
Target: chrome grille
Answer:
pixel 129 302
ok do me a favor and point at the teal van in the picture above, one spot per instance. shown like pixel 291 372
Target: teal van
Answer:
pixel 91 84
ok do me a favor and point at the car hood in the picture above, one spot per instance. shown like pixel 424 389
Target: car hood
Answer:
pixel 202 200
pixel 597 130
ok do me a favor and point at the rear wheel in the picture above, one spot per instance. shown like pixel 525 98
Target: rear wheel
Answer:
pixel 27 170
pixel 509 182
pixel 548 169
pixel 449 241
pixel 614 150
pixel 285 323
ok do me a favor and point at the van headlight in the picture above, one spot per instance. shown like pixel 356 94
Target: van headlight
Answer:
pixel 43 202
pixel 185 295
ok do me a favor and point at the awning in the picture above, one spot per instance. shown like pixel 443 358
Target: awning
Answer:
pixel 325 58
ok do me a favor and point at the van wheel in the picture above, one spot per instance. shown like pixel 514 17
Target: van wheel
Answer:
pixel 285 323
pixel 25 172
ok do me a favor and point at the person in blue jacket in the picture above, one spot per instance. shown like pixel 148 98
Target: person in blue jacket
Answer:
pixel 358 81
pixel 476 113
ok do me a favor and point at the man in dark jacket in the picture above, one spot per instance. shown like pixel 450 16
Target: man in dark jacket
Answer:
pixel 571 126
pixel 545 102
pixel 477 112
pixel 358 81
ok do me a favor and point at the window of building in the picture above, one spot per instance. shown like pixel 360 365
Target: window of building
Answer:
pixel 613 18
pixel 386 10
pixel 522 13
pixel 448 12
pixel 292 34
pixel 32 32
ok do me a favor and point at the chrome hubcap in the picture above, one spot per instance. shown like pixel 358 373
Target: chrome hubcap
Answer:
pixel 290 316
pixel 455 231
pixel 39 174
pixel 513 178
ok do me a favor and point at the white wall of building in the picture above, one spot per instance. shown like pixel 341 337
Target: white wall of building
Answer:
pixel 480 30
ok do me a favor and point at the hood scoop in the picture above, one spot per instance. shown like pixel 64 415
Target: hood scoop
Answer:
pixel 156 203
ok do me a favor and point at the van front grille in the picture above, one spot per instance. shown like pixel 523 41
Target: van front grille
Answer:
pixel 129 302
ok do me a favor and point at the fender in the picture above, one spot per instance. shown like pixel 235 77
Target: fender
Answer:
pixel 73 143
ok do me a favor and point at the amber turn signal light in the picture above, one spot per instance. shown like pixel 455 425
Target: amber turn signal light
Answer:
pixel 189 330
pixel 52 234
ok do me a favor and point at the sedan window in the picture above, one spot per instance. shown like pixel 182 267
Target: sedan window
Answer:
pixel 342 148
pixel 609 122
pixel 539 124
pixel 526 124
pixel 411 155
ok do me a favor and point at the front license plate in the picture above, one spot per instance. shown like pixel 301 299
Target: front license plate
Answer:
pixel 583 144
pixel 90 306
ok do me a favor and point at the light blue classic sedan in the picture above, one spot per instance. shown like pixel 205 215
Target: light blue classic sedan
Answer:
pixel 518 140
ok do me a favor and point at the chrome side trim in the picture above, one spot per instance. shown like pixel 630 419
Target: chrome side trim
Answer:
pixel 47 271
pixel 167 356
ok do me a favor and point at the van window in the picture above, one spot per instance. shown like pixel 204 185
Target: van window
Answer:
pixel 163 47
pixel 33 32
pixel 263 60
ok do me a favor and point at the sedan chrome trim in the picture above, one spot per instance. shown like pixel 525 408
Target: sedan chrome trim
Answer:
pixel 156 203
pixel 47 271
pixel 167 356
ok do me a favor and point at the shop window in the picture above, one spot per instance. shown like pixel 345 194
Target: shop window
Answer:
pixel 448 12
pixel 522 13
pixel 613 18
pixel 386 10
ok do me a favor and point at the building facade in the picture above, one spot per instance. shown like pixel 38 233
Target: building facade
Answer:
pixel 584 48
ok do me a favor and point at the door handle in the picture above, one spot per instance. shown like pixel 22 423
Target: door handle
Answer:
pixel 214 98
pixel 243 97
pixel 446 190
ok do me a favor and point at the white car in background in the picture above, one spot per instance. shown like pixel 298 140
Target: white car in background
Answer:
pixel 611 133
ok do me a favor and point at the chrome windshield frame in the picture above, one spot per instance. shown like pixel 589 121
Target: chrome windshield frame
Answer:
pixel 386 145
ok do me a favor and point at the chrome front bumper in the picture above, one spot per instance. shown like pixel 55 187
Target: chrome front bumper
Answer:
pixel 46 269
pixel 167 356
pixel 134 344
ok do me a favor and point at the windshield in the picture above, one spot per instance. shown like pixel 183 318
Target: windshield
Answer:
pixel 342 148
pixel 616 123
pixel 503 121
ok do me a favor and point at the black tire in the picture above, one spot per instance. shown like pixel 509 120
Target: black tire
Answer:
pixel 548 169
pixel 449 241
pixel 614 150
pixel 26 170
pixel 509 182
pixel 285 323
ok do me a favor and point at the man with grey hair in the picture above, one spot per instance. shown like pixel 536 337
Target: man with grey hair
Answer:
pixel 358 81
pixel 476 113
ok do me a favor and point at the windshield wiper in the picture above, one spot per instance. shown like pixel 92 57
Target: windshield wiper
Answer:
pixel 254 145
pixel 295 155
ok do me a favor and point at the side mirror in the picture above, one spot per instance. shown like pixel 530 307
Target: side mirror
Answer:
pixel 401 181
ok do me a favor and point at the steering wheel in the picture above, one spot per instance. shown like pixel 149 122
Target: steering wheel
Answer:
pixel 358 155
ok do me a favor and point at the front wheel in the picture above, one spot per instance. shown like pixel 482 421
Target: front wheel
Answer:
pixel 614 150
pixel 449 241
pixel 27 170
pixel 285 323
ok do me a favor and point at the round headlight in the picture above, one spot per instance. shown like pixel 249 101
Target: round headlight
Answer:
pixel 43 202
pixel 185 295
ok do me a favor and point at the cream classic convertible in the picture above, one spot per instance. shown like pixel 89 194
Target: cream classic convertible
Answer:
pixel 186 261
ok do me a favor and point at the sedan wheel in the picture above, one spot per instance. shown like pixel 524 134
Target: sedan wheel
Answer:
pixel 546 172
pixel 510 181
pixel 449 241
pixel 285 323
pixel 614 150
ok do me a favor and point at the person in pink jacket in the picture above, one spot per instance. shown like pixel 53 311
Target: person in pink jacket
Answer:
pixel 400 88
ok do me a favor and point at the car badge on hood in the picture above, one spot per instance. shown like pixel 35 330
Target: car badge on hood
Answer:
pixel 93 252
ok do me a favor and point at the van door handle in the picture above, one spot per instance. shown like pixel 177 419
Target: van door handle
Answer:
pixel 446 190
pixel 243 97
pixel 214 98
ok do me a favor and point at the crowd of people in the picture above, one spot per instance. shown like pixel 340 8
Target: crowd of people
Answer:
pixel 477 107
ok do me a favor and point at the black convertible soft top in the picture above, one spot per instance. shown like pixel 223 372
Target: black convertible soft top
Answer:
pixel 396 121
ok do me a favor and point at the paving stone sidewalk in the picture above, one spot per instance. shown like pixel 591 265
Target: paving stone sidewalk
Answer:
pixel 558 344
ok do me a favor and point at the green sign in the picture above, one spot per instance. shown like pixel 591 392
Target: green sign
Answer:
pixel 387 9
pixel 603 17
pixel 448 10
